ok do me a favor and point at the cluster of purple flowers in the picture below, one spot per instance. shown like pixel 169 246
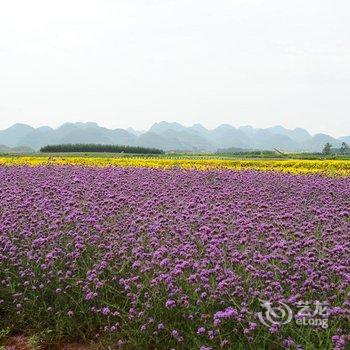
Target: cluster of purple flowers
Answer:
pixel 181 255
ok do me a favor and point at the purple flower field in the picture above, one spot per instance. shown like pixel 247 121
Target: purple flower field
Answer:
pixel 142 258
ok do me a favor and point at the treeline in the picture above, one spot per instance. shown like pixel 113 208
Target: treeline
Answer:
pixel 99 148
pixel 343 150
pixel 280 155
pixel 236 152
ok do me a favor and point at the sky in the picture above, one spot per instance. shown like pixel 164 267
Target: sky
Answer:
pixel 130 63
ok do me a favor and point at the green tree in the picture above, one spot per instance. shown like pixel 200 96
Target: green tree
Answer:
pixel 327 149
pixel 344 148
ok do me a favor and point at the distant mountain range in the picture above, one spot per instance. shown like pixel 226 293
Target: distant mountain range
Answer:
pixel 170 137
pixel 18 149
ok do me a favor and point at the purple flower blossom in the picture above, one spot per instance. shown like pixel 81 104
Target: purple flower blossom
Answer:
pixel 170 304
pixel 200 330
pixel 150 240
pixel 105 311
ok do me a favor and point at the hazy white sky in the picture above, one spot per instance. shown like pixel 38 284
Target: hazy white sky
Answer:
pixel 128 63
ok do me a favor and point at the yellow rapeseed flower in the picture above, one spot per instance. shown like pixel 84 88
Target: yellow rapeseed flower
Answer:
pixel 330 167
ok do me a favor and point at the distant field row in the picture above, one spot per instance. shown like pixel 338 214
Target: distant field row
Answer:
pixel 329 167
pixel 170 155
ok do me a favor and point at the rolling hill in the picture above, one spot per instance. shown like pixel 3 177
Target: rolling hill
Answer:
pixel 170 137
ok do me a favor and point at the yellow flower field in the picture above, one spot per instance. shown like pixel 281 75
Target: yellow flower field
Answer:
pixel 329 167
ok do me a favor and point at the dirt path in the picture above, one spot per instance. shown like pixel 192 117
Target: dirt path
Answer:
pixel 22 343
